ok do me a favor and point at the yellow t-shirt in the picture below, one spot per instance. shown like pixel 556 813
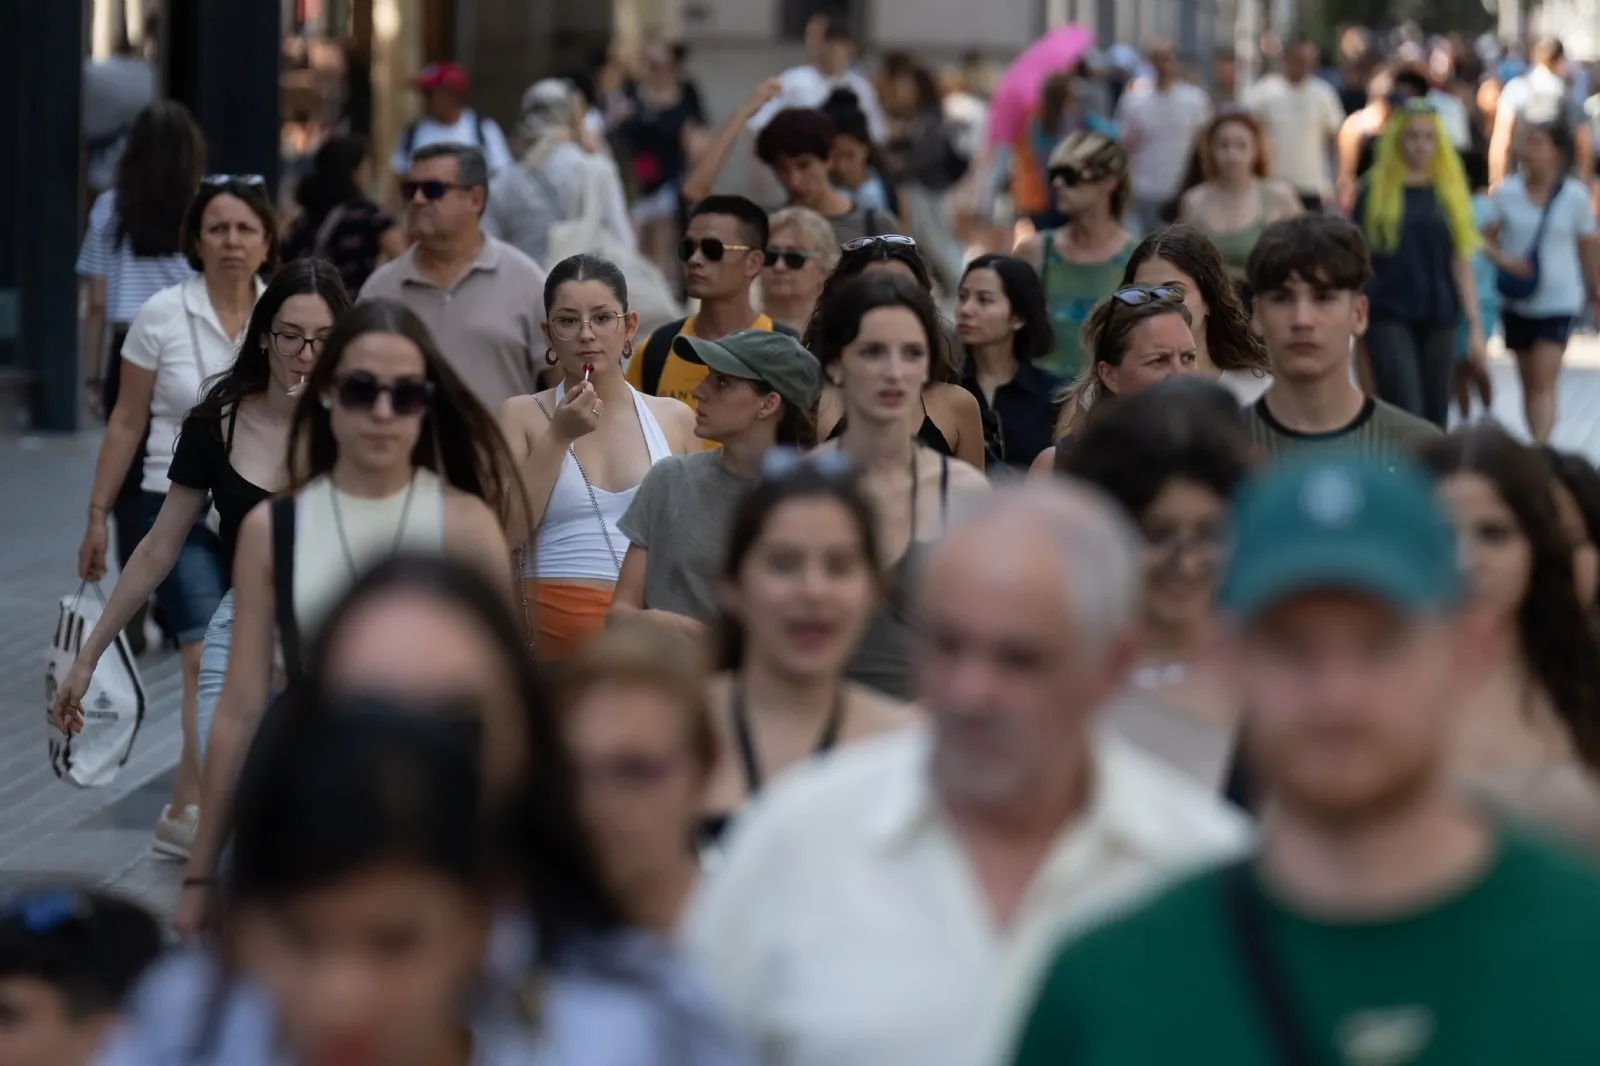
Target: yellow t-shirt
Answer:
pixel 679 377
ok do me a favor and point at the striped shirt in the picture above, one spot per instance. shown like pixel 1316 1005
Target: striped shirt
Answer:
pixel 130 279
pixel 1380 431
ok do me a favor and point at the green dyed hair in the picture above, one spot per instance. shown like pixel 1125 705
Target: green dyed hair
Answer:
pixel 1385 203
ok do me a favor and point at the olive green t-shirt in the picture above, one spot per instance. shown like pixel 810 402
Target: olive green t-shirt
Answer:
pixel 1381 431
pixel 1499 974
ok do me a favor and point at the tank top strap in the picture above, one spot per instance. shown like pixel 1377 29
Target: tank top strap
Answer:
pixel 655 438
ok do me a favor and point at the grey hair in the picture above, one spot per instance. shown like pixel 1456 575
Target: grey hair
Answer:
pixel 472 168
pixel 1100 550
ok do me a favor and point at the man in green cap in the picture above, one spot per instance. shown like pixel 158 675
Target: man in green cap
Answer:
pixel 1383 921
pixel 760 391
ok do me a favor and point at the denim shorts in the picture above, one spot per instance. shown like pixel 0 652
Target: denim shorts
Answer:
pixel 214 665
pixel 190 594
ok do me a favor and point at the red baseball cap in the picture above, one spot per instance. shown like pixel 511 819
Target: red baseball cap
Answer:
pixel 441 76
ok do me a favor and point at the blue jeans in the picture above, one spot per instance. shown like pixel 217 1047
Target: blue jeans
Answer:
pixel 191 591
pixel 214 666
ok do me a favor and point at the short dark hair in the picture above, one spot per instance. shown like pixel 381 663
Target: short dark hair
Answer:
pixel 254 196
pixel 1322 250
pixel 844 107
pixel 1414 79
pixel 472 167
pixel 795 132
pixel 746 211
pixel 89 946
pixel 1025 293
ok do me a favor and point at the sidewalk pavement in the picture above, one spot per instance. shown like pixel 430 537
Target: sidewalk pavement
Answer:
pixel 51 831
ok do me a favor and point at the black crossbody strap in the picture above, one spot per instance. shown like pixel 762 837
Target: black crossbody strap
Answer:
pixel 283 584
pixel 1267 983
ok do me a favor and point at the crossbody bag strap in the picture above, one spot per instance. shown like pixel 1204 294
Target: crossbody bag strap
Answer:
pixel 1544 218
pixel 1266 979
pixel 283 519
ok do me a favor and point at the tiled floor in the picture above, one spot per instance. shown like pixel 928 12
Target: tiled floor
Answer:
pixel 52 831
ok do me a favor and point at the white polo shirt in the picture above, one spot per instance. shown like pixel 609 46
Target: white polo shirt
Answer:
pixel 160 340
pixel 845 926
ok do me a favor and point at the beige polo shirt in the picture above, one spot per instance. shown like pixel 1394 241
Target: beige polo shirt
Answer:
pixel 486 326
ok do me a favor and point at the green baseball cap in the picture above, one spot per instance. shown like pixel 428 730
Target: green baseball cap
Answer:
pixel 1341 524
pixel 760 355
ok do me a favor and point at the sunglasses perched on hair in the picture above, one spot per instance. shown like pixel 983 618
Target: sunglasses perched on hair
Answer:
pixel 42 913
pixel 430 190
pixel 252 180
pixel 780 464
pixel 709 247
pixel 359 391
pixel 898 240
pixel 792 258
pixel 1139 295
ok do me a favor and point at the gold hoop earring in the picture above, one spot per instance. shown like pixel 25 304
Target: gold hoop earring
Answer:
pixel 550 357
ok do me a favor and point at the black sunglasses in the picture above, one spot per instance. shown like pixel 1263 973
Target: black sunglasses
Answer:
pixel 1139 295
pixel 1069 176
pixel 780 464
pixel 790 257
pixel 359 391
pixel 899 240
pixel 709 247
pixel 430 190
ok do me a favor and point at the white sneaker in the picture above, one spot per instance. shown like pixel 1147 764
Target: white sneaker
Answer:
pixel 175 833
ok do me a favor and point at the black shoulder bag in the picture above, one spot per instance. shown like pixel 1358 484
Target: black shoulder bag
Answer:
pixel 1268 985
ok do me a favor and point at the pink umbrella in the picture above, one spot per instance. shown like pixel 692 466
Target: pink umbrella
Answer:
pixel 1017 94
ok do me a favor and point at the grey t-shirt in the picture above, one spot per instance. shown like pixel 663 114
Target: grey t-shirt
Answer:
pixel 681 516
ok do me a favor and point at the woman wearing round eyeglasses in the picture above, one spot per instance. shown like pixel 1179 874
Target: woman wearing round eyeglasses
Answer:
pixel 947 419
pixel 231 455
pixel 182 337
pixel 1136 337
pixel 801 252
pixel 393 454
pixel 583 448
pixel 1172 456
pixel 879 337
pixel 802 582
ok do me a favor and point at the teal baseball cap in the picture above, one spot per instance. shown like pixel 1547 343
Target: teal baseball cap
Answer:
pixel 760 355
pixel 1332 524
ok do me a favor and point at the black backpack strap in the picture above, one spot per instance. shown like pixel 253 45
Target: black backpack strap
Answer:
pixel 483 141
pixel 283 583
pixel 408 142
pixel 655 353
pixel 1247 920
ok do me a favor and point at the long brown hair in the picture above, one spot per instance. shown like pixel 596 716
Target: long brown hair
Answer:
pixel 1230 342
pixel 459 442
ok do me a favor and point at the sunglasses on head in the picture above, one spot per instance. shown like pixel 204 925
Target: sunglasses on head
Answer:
pixel 252 180
pixel 42 913
pixel 360 389
pixel 899 240
pixel 792 258
pixel 709 247
pixel 780 464
pixel 1139 295
pixel 430 190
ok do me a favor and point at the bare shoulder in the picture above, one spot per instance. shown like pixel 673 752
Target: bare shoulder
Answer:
pixel 872 712
pixel 1031 251
pixel 966 478
pixel 1286 198
pixel 954 399
pixel 524 413
pixel 676 418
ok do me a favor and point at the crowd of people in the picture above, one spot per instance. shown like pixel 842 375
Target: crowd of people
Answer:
pixel 905 656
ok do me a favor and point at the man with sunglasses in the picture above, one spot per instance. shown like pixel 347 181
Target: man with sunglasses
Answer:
pixel 478 295
pixel 68 958
pixel 722 256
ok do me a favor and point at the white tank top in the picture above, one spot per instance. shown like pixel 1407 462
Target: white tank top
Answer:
pixel 570 542
pixel 329 523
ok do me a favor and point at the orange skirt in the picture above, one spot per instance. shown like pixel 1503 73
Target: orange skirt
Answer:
pixel 566 617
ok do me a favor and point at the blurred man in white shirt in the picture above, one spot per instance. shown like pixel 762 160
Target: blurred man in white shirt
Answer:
pixel 894 903
pixel 1301 115
pixel 1157 124
pixel 831 47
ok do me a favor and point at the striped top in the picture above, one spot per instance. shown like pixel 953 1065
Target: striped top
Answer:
pixel 1380 431
pixel 130 279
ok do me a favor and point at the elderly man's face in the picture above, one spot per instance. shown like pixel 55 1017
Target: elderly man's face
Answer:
pixel 1008 682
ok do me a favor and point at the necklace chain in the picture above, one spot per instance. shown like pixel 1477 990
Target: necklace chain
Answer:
pixel 399 530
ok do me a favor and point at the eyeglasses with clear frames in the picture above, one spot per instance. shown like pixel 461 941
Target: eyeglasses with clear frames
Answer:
pixel 604 324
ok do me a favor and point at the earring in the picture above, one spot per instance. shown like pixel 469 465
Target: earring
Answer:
pixel 550 357
pixel 627 350
pixel 835 378
pixel 327 404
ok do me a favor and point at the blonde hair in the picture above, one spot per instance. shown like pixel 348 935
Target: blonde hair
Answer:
pixel 639 654
pixel 1098 157
pixel 815 232
pixel 1385 206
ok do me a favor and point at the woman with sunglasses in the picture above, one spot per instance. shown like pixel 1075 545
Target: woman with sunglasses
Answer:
pixel 800 586
pixel 1172 457
pixel 879 337
pixel 582 449
pixel 801 253
pixel 947 420
pixel 1136 338
pixel 231 455
pixel 393 453
pixel 1415 208
pixel 1091 181
pixel 183 336
pixel 1226 347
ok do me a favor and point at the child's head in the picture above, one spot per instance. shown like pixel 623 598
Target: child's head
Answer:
pixel 797 145
pixel 67 959
pixel 1309 275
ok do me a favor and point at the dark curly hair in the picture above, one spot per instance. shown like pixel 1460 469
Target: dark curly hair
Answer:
pixel 1230 342
pixel 795 132
pixel 1557 634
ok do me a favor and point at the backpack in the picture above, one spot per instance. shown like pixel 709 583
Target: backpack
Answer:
pixel 408 143
pixel 659 346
